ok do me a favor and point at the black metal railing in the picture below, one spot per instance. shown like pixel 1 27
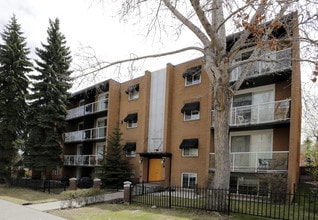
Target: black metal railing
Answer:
pixel 54 186
pixel 269 205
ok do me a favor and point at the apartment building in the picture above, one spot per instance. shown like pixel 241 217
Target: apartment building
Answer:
pixel 167 122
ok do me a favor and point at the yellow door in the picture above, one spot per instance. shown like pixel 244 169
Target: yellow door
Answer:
pixel 155 170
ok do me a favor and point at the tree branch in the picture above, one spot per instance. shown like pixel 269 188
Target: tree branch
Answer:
pixel 104 65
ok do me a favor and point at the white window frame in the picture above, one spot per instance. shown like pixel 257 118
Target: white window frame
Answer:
pixel 191 79
pixel 190 152
pixel 130 153
pixel 133 94
pixel 251 133
pixel 102 103
pixel 101 128
pixel 190 175
pixel 194 115
pixel 132 123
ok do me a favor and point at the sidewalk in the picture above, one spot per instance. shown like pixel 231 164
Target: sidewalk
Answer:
pixel 12 211
pixel 44 207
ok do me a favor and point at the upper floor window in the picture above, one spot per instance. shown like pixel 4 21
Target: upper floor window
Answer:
pixel 192 76
pixel 133 92
pixel 189 147
pixel 189 180
pixel 130 149
pixel 102 103
pixel 191 111
pixel 131 120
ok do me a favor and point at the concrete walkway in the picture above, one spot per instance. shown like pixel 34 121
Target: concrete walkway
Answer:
pixel 12 211
pixel 44 207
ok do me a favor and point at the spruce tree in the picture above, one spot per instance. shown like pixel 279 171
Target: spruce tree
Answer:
pixel 115 166
pixel 14 65
pixel 48 101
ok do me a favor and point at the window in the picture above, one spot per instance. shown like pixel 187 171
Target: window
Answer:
pixel 192 76
pixel 191 115
pixel 133 95
pixel 101 128
pixel 191 111
pixel 247 147
pixel 131 120
pixel 190 152
pixel 189 147
pixel 102 103
pixel 130 149
pixel 254 105
pixel 189 180
pixel 133 92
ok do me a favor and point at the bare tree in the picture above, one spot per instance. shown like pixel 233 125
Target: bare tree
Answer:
pixel 211 21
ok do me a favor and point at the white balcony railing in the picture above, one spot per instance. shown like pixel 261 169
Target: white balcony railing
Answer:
pixel 268 112
pixel 83 160
pixel 87 134
pixel 100 105
pixel 271 161
pixel 271 62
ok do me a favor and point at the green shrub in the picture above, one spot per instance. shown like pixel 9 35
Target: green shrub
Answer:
pixel 80 193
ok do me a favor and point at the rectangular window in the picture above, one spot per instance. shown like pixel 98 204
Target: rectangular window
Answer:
pixel 134 94
pixel 190 152
pixel 100 131
pixel 131 120
pixel 130 153
pixel 248 147
pixel 102 103
pixel 193 79
pixel 191 115
pixel 189 180
pixel 132 123
pixel 254 105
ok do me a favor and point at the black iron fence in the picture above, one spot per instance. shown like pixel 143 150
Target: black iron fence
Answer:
pixel 54 186
pixel 263 204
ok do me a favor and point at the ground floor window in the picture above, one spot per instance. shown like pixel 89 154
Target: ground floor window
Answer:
pixel 189 180
pixel 249 186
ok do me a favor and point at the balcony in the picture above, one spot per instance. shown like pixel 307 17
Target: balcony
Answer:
pixel 83 160
pixel 87 109
pixel 86 135
pixel 281 61
pixel 269 112
pixel 256 162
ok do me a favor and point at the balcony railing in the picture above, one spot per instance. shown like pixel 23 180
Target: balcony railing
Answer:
pixel 83 160
pixel 87 134
pixel 271 161
pixel 268 112
pixel 87 109
pixel 271 62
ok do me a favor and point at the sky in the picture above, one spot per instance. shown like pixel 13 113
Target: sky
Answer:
pixel 91 23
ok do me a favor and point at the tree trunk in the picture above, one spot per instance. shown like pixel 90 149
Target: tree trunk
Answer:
pixel 221 181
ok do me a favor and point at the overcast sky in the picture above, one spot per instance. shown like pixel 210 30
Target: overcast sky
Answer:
pixel 89 23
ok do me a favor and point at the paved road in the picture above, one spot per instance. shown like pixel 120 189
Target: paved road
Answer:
pixel 12 211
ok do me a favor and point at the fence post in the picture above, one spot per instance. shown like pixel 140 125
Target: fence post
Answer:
pixel 169 197
pixel 127 194
pixel 229 202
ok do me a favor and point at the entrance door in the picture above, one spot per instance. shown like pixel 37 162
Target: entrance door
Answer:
pixel 155 170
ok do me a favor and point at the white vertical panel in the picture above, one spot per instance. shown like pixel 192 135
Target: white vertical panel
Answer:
pixel 157 110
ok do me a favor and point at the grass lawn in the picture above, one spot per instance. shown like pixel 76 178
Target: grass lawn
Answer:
pixel 22 195
pixel 111 211
pixel 129 212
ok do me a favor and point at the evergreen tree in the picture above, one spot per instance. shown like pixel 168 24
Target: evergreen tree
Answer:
pixel 47 112
pixel 14 65
pixel 115 166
